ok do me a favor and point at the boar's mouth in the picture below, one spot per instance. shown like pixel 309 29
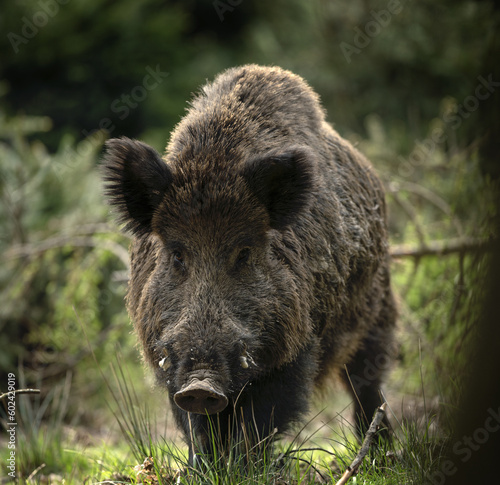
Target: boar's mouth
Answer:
pixel 201 397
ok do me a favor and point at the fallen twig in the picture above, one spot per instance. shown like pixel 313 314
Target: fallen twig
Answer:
pixel 353 467
pixel 19 391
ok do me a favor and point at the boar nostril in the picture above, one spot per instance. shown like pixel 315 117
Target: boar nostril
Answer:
pixel 201 397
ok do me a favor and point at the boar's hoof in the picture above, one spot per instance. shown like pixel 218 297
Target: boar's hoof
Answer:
pixel 201 397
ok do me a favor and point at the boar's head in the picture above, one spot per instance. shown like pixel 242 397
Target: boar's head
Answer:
pixel 218 303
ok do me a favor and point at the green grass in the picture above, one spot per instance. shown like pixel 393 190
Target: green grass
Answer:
pixel 40 435
pixel 417 449
pixel 47 455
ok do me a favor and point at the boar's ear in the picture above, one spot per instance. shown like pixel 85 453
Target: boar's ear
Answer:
pixel 283 182
pixel 135 179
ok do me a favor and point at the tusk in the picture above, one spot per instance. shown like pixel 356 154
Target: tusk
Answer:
pixel 163 363
pixel 244 362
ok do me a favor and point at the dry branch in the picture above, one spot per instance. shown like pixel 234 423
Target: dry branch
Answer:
pixel 363 451
pixel 441 248
pixel 19 391
pixel 24 250
pixel 431 248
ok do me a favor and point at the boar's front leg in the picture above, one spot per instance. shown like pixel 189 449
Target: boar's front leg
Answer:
pixel 363 379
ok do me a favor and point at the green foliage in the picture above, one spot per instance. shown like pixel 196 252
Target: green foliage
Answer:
pixel 60 298
pixel 440 298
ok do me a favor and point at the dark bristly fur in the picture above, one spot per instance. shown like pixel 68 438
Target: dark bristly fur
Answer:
pixel 260 235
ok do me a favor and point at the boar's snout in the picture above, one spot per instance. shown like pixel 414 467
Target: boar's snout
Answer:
pixel 201 397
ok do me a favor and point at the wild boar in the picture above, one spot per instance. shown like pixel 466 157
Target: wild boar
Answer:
pixel 259 261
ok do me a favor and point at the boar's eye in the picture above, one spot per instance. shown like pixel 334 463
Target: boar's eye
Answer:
pixel 243 257
pixel 178 259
